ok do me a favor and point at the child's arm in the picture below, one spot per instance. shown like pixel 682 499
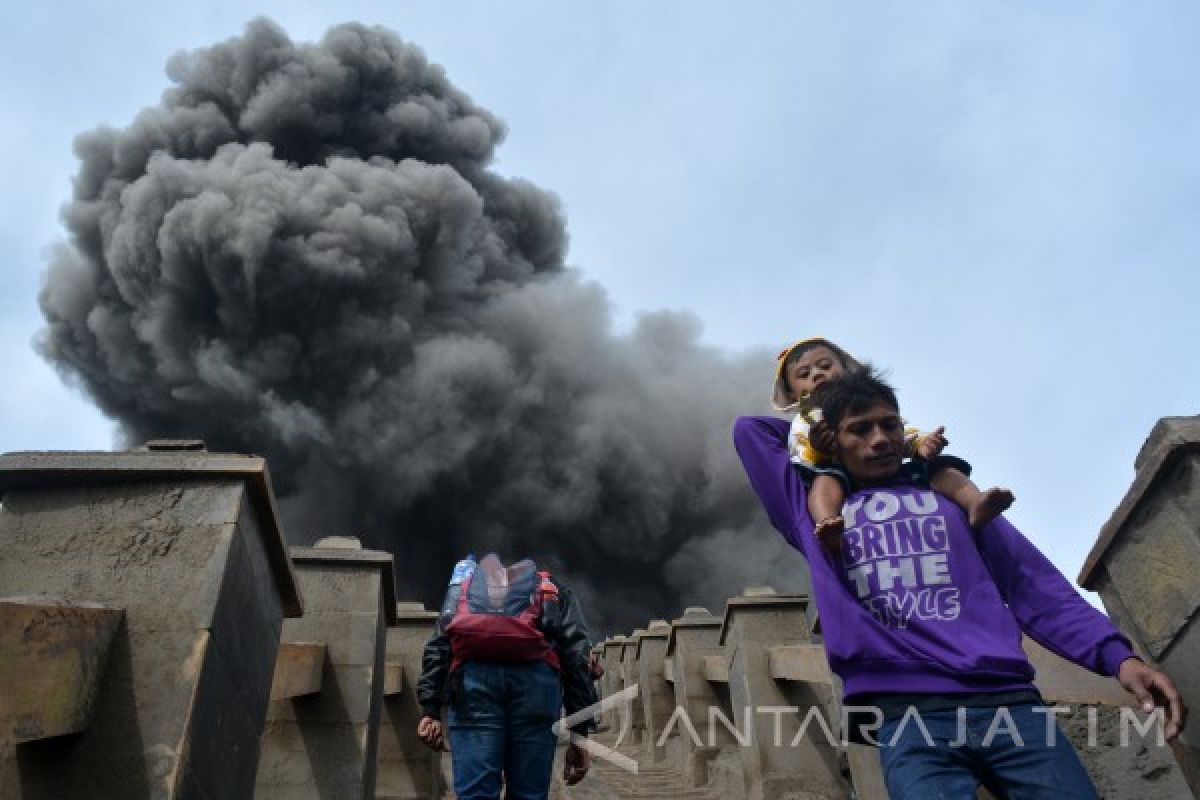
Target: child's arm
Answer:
pixel 761 443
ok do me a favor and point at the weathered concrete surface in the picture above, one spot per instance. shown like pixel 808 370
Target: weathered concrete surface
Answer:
pixel 657 695
pixel 716 668
pixel 188 545
pixel 772 766
pixel 653 781
pixel 629 677
pixel 611 682
pixel 694 638
pixel 406 767
pixel 1146 566
pixel 324 745
pixel 393 679
pixel 596 659
pixel 44 471
pixel 799 662
pixel 1140 769
pixel 298 669
pixel 52 659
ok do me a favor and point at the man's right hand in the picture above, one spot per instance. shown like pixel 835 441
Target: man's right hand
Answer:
pixel 430 731
pixel 575 765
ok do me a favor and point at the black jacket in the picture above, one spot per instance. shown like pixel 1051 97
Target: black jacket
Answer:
pixel 567 632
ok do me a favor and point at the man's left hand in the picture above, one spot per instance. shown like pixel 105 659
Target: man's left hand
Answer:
pixel 430 731
pixel 1153 688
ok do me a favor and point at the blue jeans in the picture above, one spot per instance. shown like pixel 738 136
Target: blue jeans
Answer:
pixel 500 721
pixel 1041 765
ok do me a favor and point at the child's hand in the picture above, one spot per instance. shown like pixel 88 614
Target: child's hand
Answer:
pixel 932 444
pixel 822 437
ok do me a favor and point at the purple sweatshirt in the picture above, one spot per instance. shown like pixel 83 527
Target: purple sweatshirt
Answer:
pixel 916 602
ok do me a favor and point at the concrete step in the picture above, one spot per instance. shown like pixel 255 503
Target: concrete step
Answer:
pixel 606 781
pixel 652 782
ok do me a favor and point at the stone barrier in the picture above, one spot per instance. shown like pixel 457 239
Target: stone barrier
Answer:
pixel 694 638
pixel 324 744
pixel 1146 566
pixel 636 732
pixel 185 547
pixel 656 693
pixel 775 760
pixel 612 681
pixel 408 770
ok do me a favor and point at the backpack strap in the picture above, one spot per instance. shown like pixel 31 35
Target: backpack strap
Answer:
pixel 462 596
pixel 546 588
pixel 459 610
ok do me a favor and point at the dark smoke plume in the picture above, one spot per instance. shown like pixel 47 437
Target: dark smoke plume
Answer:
pixel 302 253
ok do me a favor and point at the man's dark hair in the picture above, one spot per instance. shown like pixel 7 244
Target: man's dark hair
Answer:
pixel 853 393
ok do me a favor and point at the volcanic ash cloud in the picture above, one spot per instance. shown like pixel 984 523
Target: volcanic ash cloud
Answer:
pixel 301 252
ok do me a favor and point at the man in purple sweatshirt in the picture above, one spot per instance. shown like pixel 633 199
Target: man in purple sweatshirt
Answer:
pixel 922 616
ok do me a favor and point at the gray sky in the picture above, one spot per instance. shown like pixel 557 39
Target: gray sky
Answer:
pixel 993 200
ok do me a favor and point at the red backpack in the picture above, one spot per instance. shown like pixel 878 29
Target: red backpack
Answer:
pixel 498 615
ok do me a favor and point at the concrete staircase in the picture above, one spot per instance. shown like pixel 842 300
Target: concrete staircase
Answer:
pixel 607 781
pixel 652 782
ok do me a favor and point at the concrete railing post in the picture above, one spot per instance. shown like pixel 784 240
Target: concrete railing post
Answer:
pixel 777 762
pixel 611 683
pixel 1146 566
pixel 596 658
pixel 695 637
pixel 629 677
pixel 807 665
pixel 408 770
pixel 657 694
pixel 325 744
pixel 187 544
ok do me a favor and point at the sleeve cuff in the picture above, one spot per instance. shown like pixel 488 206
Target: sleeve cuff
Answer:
pixel 951 462
pixel 584 728
pixel 431 710
pixel 1113 653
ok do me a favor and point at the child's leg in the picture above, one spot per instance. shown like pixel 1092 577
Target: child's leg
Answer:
pixel 981 507
pixel 825 506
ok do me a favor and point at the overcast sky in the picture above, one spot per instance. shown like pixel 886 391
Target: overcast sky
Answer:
pixel 996 201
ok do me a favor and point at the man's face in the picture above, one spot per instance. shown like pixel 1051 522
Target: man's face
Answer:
pixel 870 444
